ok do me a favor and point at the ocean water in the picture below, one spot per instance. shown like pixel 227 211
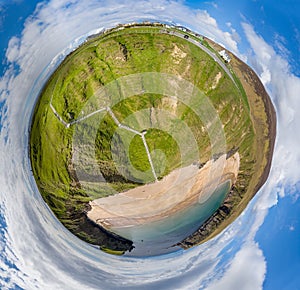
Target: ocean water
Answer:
pixel 51 257
pixel 160 236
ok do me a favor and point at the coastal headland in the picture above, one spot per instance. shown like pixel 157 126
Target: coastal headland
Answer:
pixel 156 152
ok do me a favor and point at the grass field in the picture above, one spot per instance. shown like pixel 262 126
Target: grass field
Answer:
pixel 100 61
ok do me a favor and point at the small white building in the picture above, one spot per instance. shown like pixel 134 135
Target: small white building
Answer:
pixel 224 55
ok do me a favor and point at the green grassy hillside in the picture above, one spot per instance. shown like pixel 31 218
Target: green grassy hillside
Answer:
pixel 92 66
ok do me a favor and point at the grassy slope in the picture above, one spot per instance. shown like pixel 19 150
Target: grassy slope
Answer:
pixel 255 167
pixel 96 64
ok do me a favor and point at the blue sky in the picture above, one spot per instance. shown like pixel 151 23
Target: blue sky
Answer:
pixel 278 23
pixel 279 238
pixel 276 243
pixel 12 16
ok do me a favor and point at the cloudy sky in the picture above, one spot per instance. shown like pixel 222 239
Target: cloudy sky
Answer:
pixel 38 253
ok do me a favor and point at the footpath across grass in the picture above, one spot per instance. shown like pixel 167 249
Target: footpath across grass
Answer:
pixel 92 66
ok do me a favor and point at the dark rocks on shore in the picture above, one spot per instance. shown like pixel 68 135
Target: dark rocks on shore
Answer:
pixel 94 234
pixel 212 223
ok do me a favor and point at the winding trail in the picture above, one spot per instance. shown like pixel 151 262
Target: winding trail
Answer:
pixel 149 156
pixel 117 122
pixel 86 117
pixel 122 126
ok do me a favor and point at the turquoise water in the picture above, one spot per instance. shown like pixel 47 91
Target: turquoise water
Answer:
pixel 158 237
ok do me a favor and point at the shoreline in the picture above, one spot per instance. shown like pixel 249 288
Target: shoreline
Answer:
pixel 236 201
pixel 250 179
pixel 177 191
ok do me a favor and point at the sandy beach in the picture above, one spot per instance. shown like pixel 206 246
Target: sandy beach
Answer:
pixel 180 189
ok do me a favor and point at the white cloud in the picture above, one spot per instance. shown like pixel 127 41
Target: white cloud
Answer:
pixel 51 257
pixel 284 89
pixel 13 49
pixel 210 28
pixel 281 43
pixel 246 272
pixel 291 228
pixel 248 268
